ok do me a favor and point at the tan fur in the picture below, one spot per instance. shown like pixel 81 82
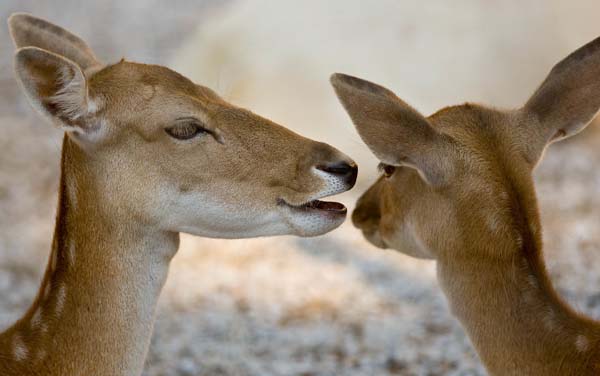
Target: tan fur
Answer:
pixel 128 188
pixel 458 188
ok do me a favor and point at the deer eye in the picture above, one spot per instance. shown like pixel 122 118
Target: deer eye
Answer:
pixel 186 130
pixel 387 170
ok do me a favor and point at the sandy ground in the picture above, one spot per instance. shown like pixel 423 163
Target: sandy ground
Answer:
pixel 331 305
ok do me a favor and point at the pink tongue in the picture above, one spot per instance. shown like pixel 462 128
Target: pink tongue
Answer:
pixel 330 206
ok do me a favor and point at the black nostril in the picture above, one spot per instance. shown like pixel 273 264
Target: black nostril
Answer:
pixel 349 171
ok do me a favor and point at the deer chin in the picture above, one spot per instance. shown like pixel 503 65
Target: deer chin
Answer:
pixel 374 237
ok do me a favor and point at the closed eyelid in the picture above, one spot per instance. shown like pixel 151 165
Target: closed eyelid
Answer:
pixel 202 122
pixel 213 131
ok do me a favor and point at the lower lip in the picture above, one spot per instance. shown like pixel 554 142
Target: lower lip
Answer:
pixel 321 206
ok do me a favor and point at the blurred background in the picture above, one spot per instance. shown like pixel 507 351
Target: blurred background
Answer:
pixel 332 305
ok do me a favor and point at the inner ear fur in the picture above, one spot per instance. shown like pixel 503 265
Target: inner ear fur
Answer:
pixel 54 85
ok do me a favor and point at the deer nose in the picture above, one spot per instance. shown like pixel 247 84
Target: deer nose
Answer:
pixel 345 170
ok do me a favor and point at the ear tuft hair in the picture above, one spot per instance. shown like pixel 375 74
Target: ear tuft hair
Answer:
pixel 70 99
pixel 55 86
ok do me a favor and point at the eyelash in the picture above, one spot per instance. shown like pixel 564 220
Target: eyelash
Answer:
pixel 186 131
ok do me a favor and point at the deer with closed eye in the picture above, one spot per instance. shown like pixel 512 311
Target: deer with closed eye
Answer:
pixel 457 187
pixel 146 154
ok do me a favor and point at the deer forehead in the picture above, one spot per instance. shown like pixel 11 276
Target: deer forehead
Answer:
pixel 473 125
pixel 151 97
pixel 125 75
pixel 486 137
pixel 144 88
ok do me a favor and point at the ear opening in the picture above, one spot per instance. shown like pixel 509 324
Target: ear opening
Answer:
pixel 55 86
pixel 394 131
pixel 568 99
pixel 29 31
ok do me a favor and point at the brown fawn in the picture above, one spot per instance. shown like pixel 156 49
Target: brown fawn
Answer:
pixel 147 154
pixel 457 187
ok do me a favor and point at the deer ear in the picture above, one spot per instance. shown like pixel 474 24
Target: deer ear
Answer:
pixel 29 31
pixel 569 97
pixel 56 87
pixel 395 132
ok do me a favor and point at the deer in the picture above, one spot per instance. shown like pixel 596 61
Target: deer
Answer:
pixel 457 187
pixel 146 155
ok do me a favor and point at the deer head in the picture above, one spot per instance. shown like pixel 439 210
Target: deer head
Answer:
pixel 460 175
pixel 171 153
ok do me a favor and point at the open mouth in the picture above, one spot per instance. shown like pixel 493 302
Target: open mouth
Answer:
pixel 316 205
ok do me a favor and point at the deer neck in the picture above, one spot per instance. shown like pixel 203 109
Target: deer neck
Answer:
pixel 516 321
pixel 95 309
